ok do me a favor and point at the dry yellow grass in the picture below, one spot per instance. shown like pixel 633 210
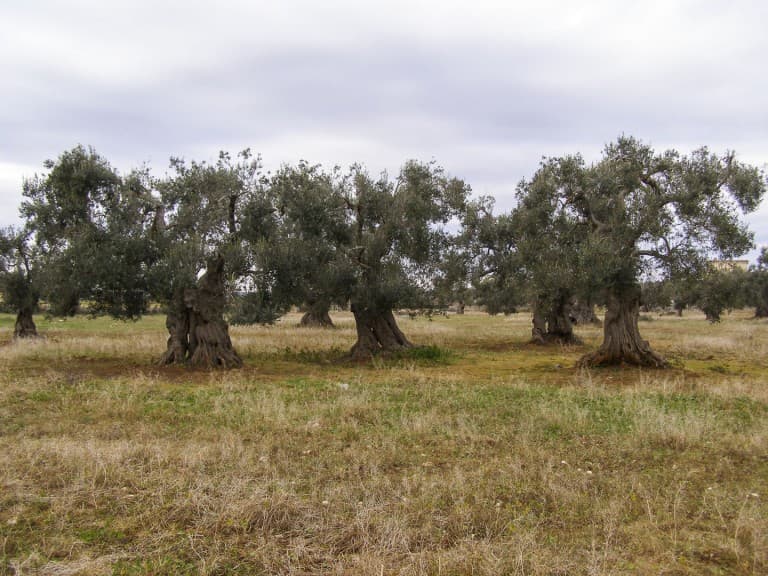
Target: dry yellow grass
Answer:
pixel 480 455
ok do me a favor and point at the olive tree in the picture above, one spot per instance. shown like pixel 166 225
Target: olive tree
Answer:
pixel 66 211
pixel 305 257
pixel 91 233
pixel 718 291
pixel 120 242
pixel 655 295
pixel 549 249
pixel 644 209
pixel 533 254
pixel 491 244
pixel 398 231
pixel 471 270
pixel 18 277
pixel 203 253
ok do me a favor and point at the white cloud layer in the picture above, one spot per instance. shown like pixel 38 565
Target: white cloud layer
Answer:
pixel 485 88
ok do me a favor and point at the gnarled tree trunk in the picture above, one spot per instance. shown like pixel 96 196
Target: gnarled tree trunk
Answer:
pixel 712 315
pixel 583 312
pixel 198 334
pixel 552 323
pixel 622 343
pixel 177 324
pixel 209 342
pixel 761 309
pixel 316 316
pixel 25 324
pixel 377 332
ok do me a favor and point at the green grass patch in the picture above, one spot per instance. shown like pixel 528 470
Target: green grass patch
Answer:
pixel 474 454
pixel 101 535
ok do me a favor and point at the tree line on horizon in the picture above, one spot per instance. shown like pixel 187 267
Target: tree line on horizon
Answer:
pixel 213 242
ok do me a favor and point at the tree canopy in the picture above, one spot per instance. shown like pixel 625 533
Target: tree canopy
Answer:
pixel 646 209
pixel 398 232
pixel 210 239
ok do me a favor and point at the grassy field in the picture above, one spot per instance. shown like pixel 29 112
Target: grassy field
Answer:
pixel 478 454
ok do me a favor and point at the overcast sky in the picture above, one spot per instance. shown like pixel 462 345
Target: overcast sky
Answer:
pixel 485 88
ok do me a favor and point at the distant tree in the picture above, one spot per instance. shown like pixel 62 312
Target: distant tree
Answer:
pixel 253 306
pixel 655 295
pixel 534 255
pixel 453 284
pixel 465 268
pixel 18 280
pixel 495 272
pixel 682 290
pixel 90 230
pixel 646 209
pixel 397 236
pixel 306 256
pixel 66 210
pixel 117 262
pixel 531 255
pixel 550 240
pixel 718 291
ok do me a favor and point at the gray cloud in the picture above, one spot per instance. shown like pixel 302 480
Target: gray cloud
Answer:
pixel 486 93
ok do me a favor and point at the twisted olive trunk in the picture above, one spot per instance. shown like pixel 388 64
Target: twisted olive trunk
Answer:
pixel 622 343
pixel 25 324
pixel 198 334
pixel 377 332
pixel 177 324
pixel 583 312
pixel 316 316
pixel 552 324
